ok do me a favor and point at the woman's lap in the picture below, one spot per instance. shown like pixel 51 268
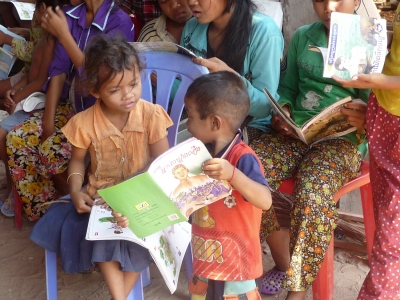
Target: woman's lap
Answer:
pixel 28 158
pixel 319 172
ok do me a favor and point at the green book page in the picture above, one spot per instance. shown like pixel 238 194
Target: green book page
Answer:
pixel 144 203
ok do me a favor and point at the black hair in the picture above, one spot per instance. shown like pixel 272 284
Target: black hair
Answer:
pixel 233 47
pixel 52 3
pixel 220 93
pixel 107 56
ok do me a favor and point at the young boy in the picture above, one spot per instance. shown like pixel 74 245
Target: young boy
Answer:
pixel 230 250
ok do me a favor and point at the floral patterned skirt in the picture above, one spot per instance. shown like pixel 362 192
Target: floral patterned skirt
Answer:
pixel 32 163
pixel 319 172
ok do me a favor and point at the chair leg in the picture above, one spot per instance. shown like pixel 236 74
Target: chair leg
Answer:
pixel 369 217
pixel 323 284
pixel 51 274
pixel 145 277
pixel 188 259
pixel 17 210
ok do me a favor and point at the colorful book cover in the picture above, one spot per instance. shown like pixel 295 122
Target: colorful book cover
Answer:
pixel 172 188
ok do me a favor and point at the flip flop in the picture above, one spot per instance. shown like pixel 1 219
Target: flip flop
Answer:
pixel 271 282
pixel 8 207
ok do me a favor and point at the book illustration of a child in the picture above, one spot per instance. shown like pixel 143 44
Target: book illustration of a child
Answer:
pixel 358 63
pixel 195 190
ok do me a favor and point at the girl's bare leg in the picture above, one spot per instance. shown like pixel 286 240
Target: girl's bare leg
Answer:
pixel 296 295
pixel 5 85
pixel 119 283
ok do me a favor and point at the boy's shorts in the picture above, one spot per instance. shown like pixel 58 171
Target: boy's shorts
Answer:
pixel 14 119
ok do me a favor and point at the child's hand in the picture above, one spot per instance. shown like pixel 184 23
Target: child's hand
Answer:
pixel 5 39
pixel 121 220
pixel 213 64
pixel 9 102
pixel 55 23
pixel 82 201
pixel 218 168
pixel 362 81
pixel 24 32
pixel 355 112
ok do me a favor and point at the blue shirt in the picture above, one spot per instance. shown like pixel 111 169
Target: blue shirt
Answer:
pixel 261 65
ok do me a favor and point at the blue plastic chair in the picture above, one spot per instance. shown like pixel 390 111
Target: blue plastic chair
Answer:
pixel 168 66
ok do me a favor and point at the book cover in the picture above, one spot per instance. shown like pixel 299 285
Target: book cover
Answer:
pixel 25 10
pixel 357 45
pixel 328 124
pixel 162 46
pixel 7 59
pixel 167 247
pixel 172 188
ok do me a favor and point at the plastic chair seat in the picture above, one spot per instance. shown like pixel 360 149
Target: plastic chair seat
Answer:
pixel 323 285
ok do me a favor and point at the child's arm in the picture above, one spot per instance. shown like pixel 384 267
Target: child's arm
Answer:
pixel 5 38
pixel 76 173
pixel 56 24
pixel 40 66
pixel 254 192
pixel 53 95
pixel 368 81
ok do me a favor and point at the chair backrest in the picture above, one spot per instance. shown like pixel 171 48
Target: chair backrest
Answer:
pixel 168 66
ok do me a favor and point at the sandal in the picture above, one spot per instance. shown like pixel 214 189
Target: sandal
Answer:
pixel 271 282
pixel 8 207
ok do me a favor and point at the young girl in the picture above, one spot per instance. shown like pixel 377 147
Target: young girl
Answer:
pixel 319 170
pixel 383 132
pixel 31 82
pixel 235 38
pixel 122 133
pixel 169 26
pixel 39 161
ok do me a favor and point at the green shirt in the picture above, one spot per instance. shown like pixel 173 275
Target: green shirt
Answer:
pixel 303 87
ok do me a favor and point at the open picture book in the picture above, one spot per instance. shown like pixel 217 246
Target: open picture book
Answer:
pixel 357 45
pixel 7 59
pixel 172 188
pixel 162 46
pixel 167 247
pixel 329 123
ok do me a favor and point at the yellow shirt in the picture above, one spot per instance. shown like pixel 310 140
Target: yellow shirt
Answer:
pixel 390 99
pixel 116 155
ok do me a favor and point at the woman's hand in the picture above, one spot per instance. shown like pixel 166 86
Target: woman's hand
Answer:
pixel 121 220
pixel 355 112
pixel 55 23
pixel 213 64
pixel 279 124
pixel 82 201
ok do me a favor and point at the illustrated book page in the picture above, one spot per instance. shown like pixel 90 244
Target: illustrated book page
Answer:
pixel 172 188
pixel 7 59
pixel 328 124
pixel 357 45
pixel 162 46
pixel 25 10
pixel 167 247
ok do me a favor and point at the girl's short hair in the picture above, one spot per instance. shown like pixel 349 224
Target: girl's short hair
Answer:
pixel 52 3
pixel 220 93
pixel 105 57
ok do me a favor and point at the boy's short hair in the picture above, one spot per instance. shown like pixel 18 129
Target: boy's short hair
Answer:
pixel 221 93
